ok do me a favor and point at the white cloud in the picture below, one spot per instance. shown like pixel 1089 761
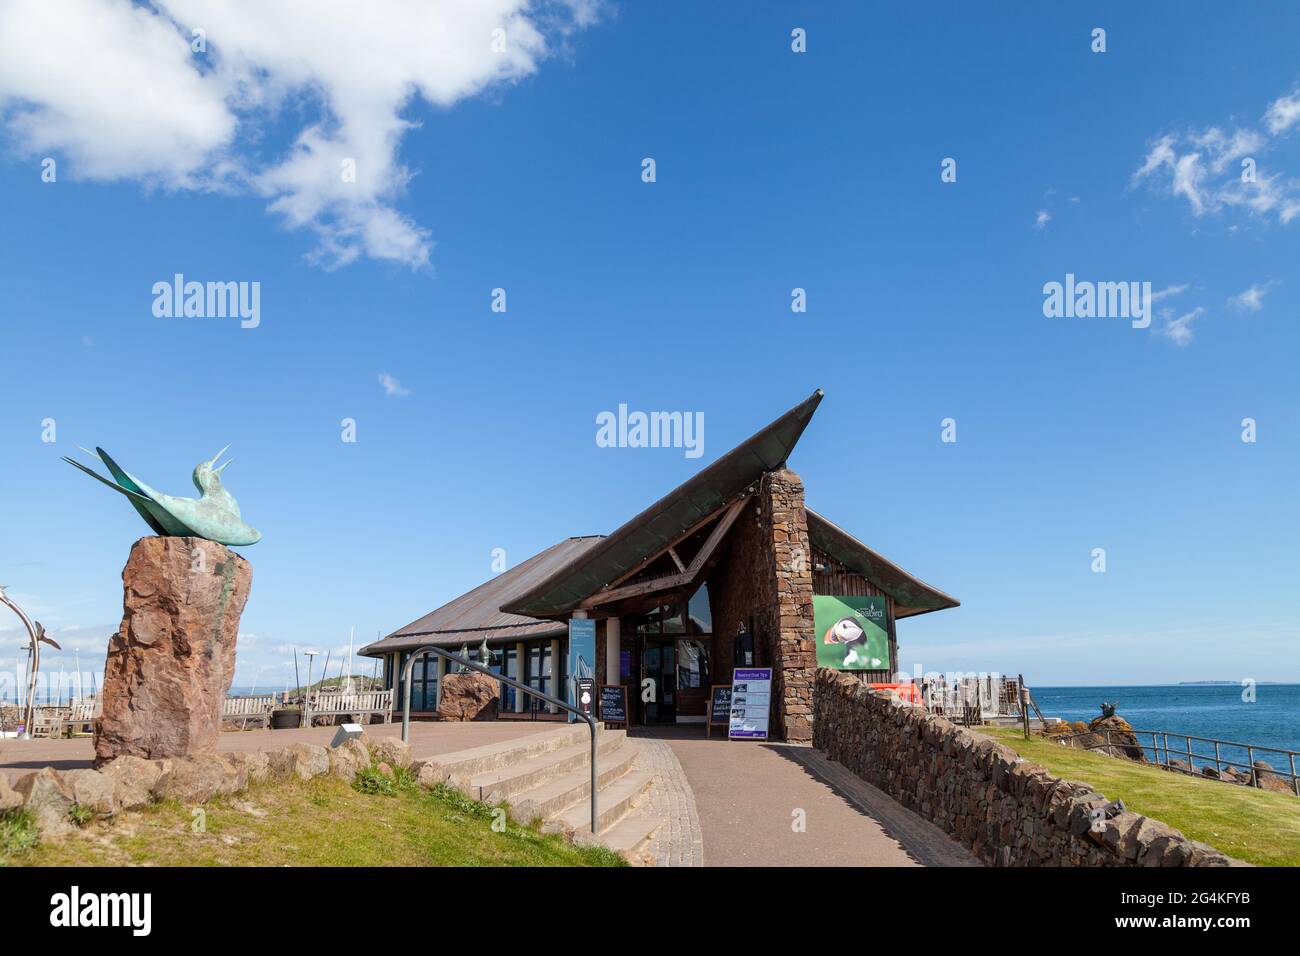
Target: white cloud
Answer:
pixel 1252 299
pixel 392 386
pixel 1179 330
pixel 116 91
pixel 1283 113
pixel 1169 291
pixel 1205 167
pixel 1042 219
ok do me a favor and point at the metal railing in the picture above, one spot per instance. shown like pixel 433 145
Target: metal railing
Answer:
pixel 479 669
pixel 1191 756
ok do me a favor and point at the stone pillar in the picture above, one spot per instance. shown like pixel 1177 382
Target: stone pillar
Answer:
pixel 784 521
pixel 520 665
pixel 555 674
pixel 613 649
pixel 442 672
pixel 171 662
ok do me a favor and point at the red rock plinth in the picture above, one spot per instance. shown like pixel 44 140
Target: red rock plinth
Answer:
pixel 468 696
pixel 171 663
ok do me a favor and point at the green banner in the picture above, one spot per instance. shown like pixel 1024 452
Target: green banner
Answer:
pixel 852 632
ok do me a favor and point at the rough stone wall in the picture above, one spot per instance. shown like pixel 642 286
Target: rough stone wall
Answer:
pixel 765 579
pixel 1009 811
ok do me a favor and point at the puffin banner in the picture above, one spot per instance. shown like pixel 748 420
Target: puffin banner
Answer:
pixel 852 632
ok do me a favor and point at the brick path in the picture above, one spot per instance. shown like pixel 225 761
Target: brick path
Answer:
pixel 678 842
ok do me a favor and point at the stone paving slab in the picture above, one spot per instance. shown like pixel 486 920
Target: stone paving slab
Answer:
pixel 678 841
pixel 428 738
pixel 925 842
pixel 751 796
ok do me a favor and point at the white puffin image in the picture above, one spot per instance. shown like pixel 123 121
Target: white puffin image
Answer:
pixel 849 632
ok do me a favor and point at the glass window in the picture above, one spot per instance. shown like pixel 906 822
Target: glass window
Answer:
pixel 539 667
pixel 700 619
pixel 692 665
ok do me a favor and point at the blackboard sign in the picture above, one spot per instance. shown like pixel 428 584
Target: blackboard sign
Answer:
pixel 613 704
pixel 719 707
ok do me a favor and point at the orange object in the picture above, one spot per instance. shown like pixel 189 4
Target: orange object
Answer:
pixel 909 692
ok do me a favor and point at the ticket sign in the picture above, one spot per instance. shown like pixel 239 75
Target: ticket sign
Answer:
pixel 751 703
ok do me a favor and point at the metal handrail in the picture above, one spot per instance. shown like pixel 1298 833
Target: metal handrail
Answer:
pixel 478 668
pixel 1217 757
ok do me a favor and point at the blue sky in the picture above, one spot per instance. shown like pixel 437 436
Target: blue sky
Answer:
pixel 774 170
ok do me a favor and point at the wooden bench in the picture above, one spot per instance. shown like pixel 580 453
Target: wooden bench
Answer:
pixel 242 710
pixel 357 704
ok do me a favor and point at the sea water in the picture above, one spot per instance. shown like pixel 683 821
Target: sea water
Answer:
pixel 1267 715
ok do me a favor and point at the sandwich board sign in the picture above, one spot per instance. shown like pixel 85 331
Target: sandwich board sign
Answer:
pixel 719 707
pixel 751 703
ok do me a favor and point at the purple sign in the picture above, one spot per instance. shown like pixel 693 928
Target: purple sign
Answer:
pixel 751 701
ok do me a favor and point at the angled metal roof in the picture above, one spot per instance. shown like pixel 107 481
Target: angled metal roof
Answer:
pixel 477 614
pixel 911 595
pixel 668 518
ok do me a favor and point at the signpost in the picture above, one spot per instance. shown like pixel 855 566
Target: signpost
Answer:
pixel 751 702
pixel 613 704
pixel 719 707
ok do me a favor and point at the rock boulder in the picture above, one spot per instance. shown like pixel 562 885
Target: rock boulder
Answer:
pixel 171 662
pixel 468 696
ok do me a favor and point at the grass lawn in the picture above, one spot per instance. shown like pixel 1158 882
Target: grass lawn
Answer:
pixel 323 822
pixel 1257 826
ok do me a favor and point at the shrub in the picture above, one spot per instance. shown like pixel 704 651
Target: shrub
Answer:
pixel 81 815
pixel 17 832
pixel 373 782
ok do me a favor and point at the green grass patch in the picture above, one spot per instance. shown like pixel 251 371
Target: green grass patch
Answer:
pixel 322 822
pixel 17 834
pixel 1258 826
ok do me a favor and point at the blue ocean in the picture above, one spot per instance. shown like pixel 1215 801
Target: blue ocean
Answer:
pixel 1202 710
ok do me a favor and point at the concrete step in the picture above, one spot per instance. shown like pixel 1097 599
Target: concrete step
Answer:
pixel 629 836
pixel 616 800
pixel 464 764
pixel 549 798
pixel 498 786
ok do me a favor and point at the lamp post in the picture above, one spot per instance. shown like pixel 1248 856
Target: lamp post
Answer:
pixel 306 697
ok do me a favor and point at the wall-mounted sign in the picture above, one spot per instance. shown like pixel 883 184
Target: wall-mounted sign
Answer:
pixel 582 656
pixel 852 632
pixel 719 707
pixel 751 702
pixel 613 704
pixel 586 695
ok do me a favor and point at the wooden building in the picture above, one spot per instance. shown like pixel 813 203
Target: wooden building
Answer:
pixel 719 573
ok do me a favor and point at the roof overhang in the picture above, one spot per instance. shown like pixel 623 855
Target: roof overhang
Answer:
pixel 911 595
pixel 668 519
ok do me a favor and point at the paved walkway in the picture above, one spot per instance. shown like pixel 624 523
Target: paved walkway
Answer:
pixel 428 738
pixel 784 805
pixel 678 841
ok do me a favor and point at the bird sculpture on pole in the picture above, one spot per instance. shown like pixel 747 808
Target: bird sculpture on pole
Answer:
pixel 214 516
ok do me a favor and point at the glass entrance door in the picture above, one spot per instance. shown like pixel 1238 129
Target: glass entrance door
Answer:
pixel 659 665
